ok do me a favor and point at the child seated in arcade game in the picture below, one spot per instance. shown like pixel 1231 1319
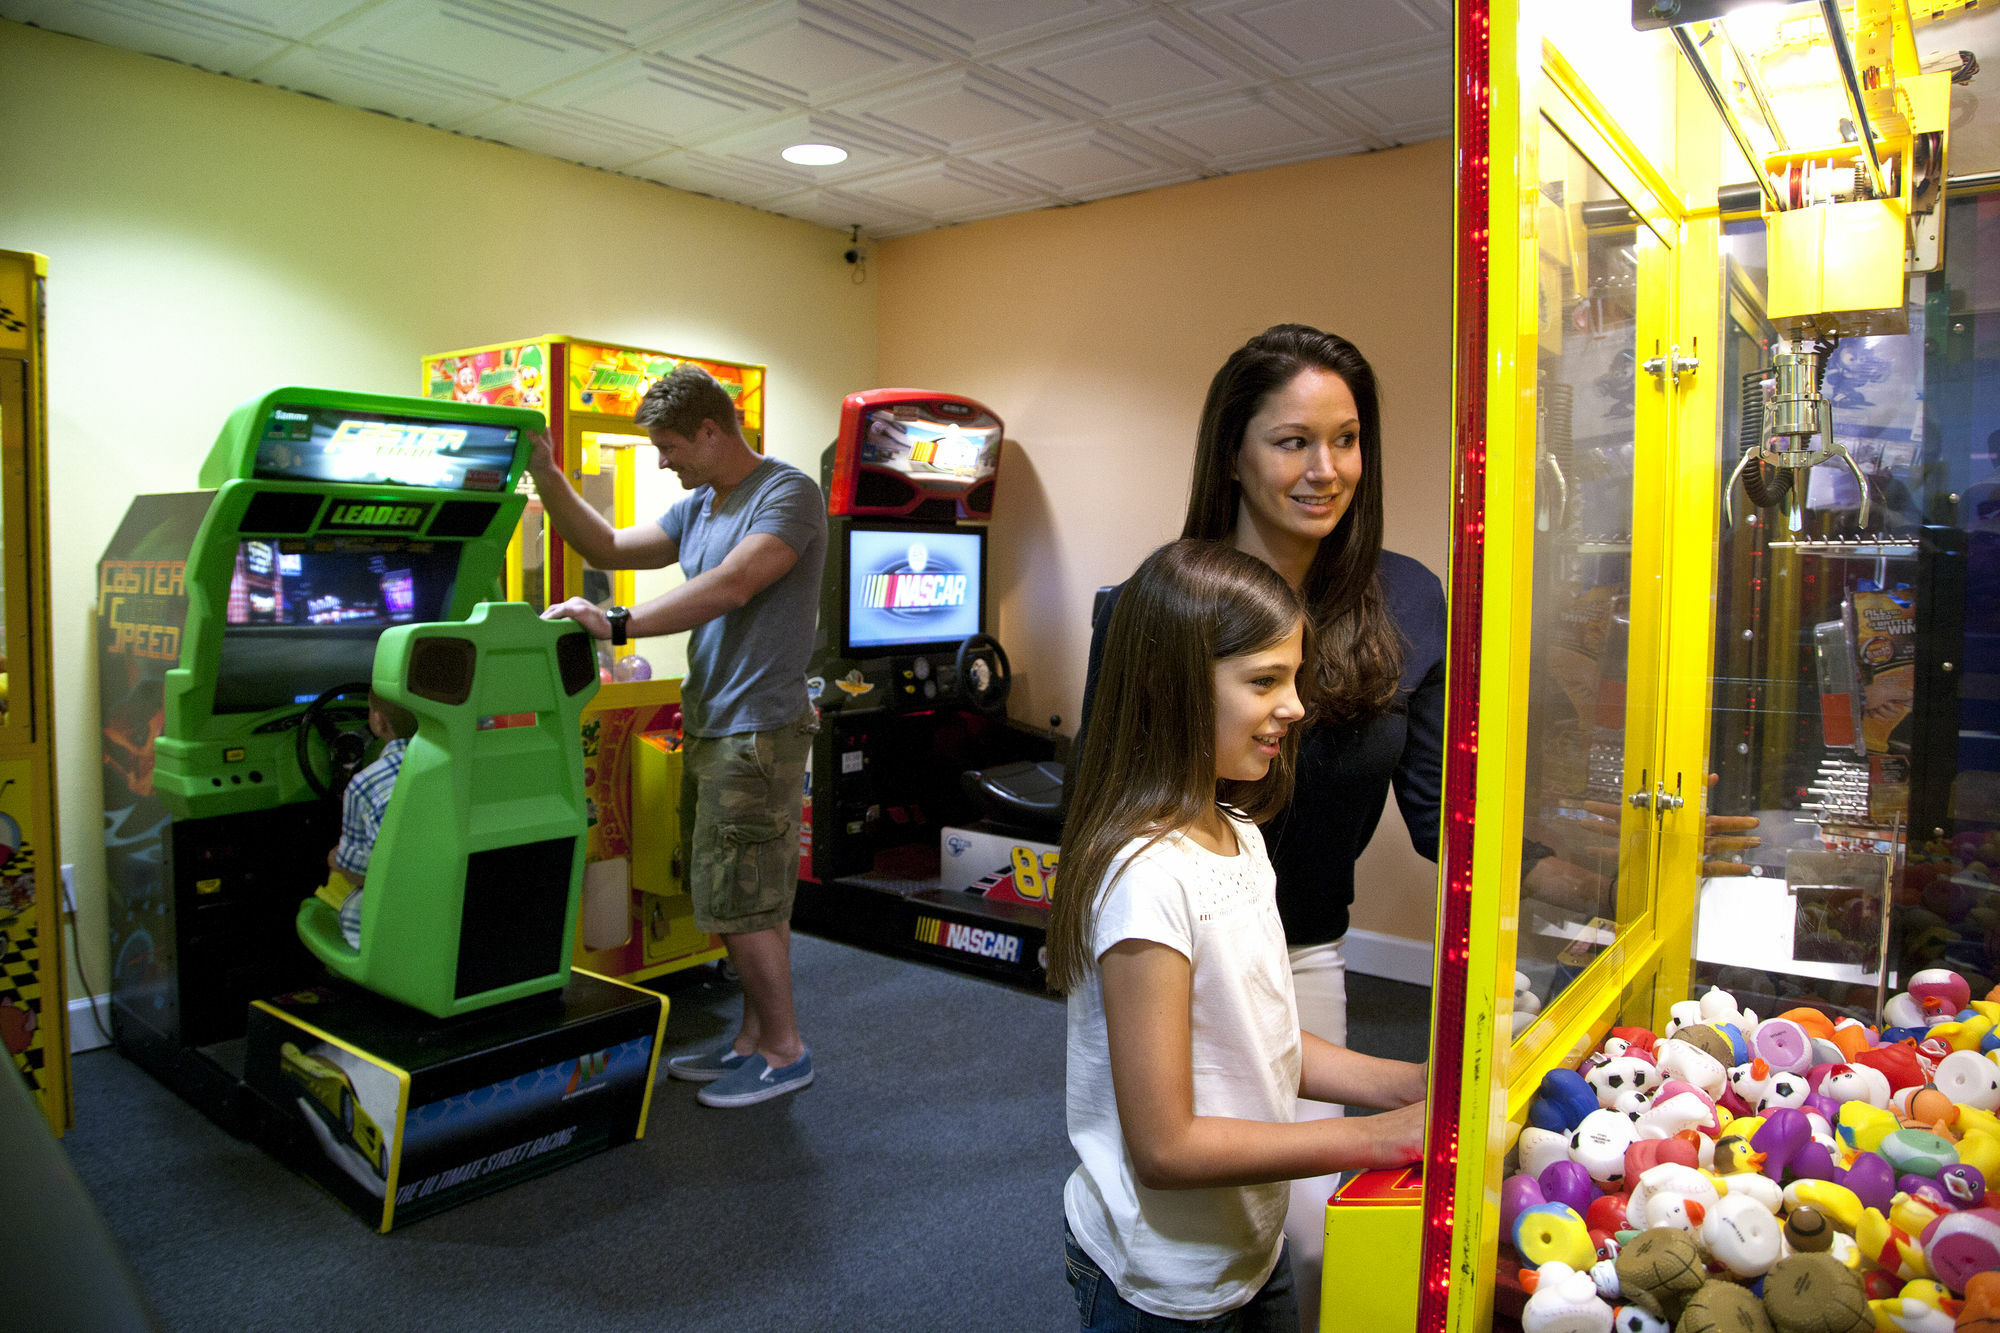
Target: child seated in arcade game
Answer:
pixel 1186 1061
pixel 362 806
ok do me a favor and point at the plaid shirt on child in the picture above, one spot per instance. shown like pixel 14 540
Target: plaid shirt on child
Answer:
pixel 362 808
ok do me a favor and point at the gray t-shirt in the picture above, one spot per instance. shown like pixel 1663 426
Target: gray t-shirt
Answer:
pixel 747 668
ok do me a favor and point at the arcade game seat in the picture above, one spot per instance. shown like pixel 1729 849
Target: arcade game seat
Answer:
pixel 474 882
pixel 1027 795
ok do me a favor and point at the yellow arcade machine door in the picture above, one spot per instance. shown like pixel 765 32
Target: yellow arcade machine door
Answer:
pixel 1568 788
pixel 33 1016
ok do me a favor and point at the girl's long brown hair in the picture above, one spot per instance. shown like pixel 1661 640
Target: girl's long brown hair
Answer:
pixel 1360 659
pixel 1146 766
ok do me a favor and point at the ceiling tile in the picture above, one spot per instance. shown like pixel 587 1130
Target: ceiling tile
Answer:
pixel 644 96
pixel 1301 35
pixel 1405 102
pixel 758 148
pixel 798 52
pixel 706 175
pixel 499 49
pixel 154 29
pixel 956 110
pixel 1132 65
pixel 942 189
pixel 838 208
pixel 980 27
pixel 1241 131
pixel 1086 164
pixel 559 134
pixel 374 85
pixel 284 18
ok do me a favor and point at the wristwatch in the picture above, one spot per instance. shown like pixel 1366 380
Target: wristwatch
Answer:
pixel 617 616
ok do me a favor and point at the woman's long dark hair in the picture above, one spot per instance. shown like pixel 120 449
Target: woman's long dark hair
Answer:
pixel 1360 657
pixel 1146 764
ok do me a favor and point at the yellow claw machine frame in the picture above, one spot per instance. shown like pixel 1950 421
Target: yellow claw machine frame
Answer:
pixel 34 1020
pixel 1667 512
pixel 636 917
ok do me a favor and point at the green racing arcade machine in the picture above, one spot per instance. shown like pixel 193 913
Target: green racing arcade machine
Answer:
pixel 237 626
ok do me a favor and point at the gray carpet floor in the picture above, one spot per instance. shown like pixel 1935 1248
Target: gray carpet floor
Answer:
pixel 916 1185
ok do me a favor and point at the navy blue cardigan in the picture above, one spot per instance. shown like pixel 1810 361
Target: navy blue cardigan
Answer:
pixel 1346 771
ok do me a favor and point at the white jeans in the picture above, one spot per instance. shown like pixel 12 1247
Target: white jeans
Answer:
pixel 1319 975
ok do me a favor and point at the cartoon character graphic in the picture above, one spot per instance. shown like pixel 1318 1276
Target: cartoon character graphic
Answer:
pixel 465 384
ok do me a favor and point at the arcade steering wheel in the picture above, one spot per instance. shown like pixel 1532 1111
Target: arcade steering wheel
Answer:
pixel 332 718
pixel 984 676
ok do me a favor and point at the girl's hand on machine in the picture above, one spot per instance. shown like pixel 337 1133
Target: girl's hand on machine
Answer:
pixel 584 613
pixel 1385 1139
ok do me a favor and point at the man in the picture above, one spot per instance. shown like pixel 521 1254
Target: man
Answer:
pixel 751 538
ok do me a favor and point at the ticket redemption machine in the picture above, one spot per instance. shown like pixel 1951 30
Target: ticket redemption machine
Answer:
pixel 912 689
pixel 637 919
pixel 33 1016
pixel 1697 516
pixel 239 627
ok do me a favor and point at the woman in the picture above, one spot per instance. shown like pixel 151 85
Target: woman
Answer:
pixel 1288 467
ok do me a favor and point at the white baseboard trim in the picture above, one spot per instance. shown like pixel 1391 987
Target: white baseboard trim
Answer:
pixel 83 1033
pixel 1391 956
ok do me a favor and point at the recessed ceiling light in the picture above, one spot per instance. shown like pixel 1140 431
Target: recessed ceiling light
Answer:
pixel 814 154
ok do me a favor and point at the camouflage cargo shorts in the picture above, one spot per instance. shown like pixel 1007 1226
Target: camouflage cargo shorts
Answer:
pixel 740 801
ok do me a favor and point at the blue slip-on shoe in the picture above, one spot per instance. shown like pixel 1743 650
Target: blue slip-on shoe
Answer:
pixel 706 1066
pixel 755 1081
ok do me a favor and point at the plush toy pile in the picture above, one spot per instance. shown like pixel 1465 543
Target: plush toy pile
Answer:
pixel 1798 1174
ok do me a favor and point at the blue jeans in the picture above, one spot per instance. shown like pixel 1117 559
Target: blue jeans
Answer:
pixel 1274 1309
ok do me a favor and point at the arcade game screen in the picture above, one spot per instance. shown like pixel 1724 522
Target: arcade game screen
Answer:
pixel 304 615
pixel 907 439
pixel 323 444
pixel 912 589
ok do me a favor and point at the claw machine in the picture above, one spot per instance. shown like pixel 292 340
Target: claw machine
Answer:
pixel 1712 604
pixel 34 1021
pixel 637 920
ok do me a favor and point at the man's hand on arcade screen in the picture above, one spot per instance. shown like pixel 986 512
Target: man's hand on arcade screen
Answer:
pixel 542 457
pixel 584 613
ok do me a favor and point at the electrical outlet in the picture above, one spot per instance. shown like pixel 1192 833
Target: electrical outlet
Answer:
pixel 69 892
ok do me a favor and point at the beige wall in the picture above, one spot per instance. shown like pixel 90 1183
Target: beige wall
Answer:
pixel 209 239
pixel 1093 332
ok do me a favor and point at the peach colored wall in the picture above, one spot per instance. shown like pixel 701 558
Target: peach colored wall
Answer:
pixel 1093 332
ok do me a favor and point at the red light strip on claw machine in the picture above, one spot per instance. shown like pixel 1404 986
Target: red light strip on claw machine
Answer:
pixel 1467 580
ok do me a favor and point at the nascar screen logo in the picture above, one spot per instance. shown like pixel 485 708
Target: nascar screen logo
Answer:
pixel 915 586
pixel 993 944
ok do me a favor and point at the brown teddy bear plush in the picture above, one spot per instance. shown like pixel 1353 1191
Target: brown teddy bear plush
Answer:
pixel 1723 1307
pixel 1660 1270
pixel 1816 1293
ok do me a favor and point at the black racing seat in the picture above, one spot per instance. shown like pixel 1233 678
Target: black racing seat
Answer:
pixel 1026 795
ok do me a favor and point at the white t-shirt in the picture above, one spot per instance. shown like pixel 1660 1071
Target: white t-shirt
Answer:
pixel 1197 1253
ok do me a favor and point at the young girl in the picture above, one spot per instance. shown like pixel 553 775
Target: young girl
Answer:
pixel 1186 1061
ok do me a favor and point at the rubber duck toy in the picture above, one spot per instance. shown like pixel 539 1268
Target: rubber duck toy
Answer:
pixel 1733 1154
pixel 1970 1079
pixel 1923 1307
pixel 1742 1235
pixel 1637 1319
pixel 1563 1300
pixel 1982 1305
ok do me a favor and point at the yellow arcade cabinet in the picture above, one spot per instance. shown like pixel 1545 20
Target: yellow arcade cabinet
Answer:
pixel 1691 462
pixel 636 919
pixel 34 1021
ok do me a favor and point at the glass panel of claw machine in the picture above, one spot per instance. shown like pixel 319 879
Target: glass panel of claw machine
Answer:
pixel 1590 709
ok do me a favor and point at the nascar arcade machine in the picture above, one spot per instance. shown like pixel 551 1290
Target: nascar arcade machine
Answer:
pixel 912 691
pixel 234 623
